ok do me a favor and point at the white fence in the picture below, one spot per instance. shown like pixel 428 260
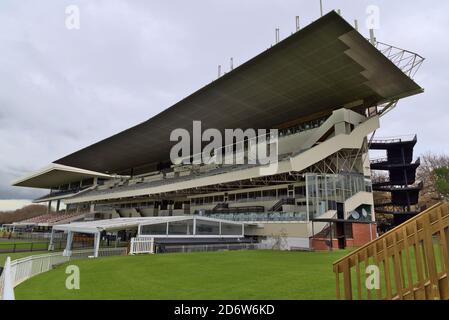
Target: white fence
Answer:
pixel 26 268
pixel 141 245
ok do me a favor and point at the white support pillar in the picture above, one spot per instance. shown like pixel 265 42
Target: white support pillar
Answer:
pixel 68 248
pixel 51 246
pixel 96 244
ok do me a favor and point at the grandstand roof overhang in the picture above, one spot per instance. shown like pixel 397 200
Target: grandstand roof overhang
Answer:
pixel 323 67
pixel 56 175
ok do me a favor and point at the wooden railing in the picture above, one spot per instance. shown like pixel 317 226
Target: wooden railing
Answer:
pixel 409 262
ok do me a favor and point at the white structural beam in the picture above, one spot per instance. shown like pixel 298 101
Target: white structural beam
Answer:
pixel 57 174
pixel 51 245
pixel 68 248
pixel 97 244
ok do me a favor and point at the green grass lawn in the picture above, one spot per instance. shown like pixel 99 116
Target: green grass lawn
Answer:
pixel 18 245
pixel 214 275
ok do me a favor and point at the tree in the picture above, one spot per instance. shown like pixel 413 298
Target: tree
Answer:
pixel 426 173
pixel 24 213
pixel 442 181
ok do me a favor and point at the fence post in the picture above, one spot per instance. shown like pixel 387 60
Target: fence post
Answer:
pixel 430 258
pixel 347 280
pixel 131 249
pixel 8 286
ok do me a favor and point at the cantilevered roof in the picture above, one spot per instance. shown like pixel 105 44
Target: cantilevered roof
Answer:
pixel 325 66
pixel 56 175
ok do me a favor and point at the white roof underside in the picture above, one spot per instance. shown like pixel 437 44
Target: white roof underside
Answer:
pixel 126 223
pixel 55 175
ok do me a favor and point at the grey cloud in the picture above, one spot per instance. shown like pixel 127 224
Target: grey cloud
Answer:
pixel 62 90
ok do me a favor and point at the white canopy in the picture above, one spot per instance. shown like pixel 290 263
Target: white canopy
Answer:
pixel 94 227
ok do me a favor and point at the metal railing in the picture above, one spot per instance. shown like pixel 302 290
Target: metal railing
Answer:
pixel 409 262
pixel 208 247
pixel 396 139
pixel 262 217
pixel 378 160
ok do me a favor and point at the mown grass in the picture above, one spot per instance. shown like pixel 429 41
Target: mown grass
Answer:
pixel 216 275
pixel 13 245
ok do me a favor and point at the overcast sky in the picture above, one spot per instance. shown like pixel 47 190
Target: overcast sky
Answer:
pixel 61 89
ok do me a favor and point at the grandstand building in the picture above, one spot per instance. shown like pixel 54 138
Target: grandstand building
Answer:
pixel 324 88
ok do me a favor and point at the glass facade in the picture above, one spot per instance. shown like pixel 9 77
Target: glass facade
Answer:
pixel 325 191
pixel 180 227
pixel 207 228
pixel 186 228
pixel 154 229
pixel 228 229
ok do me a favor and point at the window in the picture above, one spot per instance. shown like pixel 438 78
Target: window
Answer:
pixel 198 201
pixel 180 227
pixel 282 193
pixel 178 206
pixel 207 227
pixel 269 193
pixel 154 229
pixel 242 196
pixel 228 229
pixel 300 191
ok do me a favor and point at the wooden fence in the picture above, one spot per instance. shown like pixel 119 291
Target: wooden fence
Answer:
pixel 410 262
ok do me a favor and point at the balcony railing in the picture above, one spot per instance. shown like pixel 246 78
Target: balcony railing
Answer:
pixel 263 217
